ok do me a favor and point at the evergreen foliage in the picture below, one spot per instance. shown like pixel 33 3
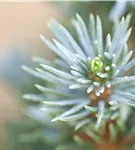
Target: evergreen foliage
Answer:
pixel 89 86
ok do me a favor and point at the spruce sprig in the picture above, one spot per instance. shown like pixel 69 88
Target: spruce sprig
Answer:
pixel 87 82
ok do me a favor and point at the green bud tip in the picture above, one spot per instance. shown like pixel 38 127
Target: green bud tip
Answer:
pixel 96 65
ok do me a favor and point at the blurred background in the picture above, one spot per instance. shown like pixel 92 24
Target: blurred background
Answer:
pixel 21 23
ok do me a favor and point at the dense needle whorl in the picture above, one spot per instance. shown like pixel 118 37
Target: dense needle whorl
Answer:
pixel 99 72
pixel 85 72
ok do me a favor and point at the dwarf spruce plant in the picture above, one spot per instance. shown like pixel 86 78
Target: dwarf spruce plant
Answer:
pixel 89 83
